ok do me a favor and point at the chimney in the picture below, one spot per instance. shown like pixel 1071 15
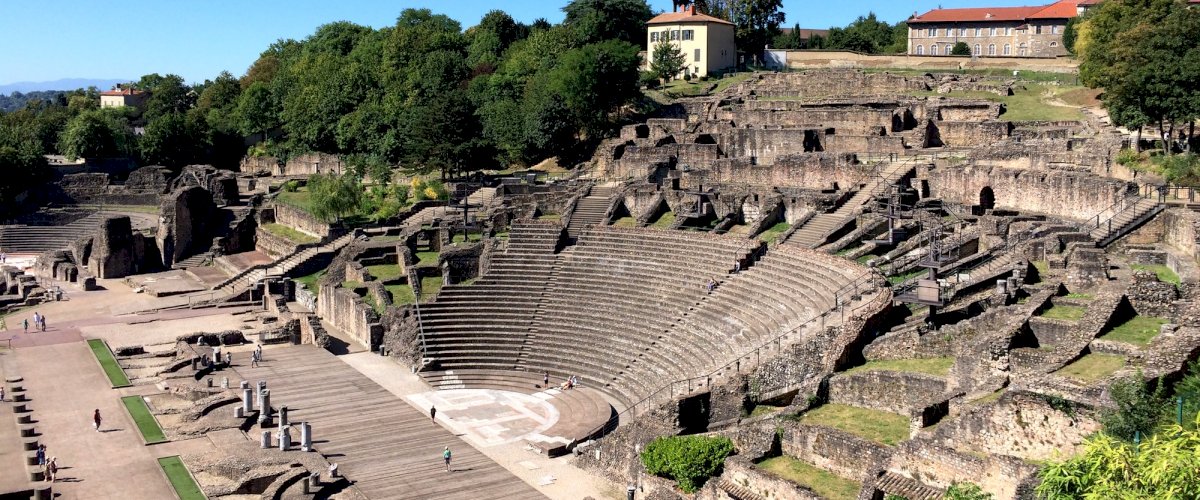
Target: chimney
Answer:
pixel 692 10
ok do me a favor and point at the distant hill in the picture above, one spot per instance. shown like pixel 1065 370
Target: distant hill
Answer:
pixel 63 84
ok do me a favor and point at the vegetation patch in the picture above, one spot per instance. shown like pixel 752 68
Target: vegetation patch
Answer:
pixel 990 398
pixel 181 480
pixel 287 233
pixel 1164 273
pixel 771 234
pixel 760 410
pixel 146 423
pixel 430 287
pixel 1030 102
pixel 1080 296
pixel 402 294
pixel 1068 313
pixel 465 238
pixel 901 278
pixel 625 222
pixel 664 221
pixel 824 483
pixel 930 366
pixel 1093 367
pixel 688 460
pixel 429 258
pixel 114 372
pixel 385 272
pixel 879 426
pixel 1139 330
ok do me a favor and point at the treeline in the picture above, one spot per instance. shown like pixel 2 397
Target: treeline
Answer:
pixel 17 100
pixel 422 95
pixel 866 34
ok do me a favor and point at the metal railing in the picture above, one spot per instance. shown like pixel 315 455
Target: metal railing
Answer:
pixel 864 283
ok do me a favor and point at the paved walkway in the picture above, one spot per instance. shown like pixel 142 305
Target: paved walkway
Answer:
pixel 387 447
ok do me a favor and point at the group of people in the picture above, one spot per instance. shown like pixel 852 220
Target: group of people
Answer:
pixel 49 467
pixel 711 285
pixel 39 323
pixel 571 383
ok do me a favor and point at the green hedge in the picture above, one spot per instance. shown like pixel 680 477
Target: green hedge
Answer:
pixel 108 363
pixel 689 460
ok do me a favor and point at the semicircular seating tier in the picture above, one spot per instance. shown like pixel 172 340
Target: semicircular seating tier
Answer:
pixel 625 309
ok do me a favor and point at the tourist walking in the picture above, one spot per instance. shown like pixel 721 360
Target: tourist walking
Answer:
pixel 41 455
pixel 258 351
pixel 228 358
pixel 51 469
pixel 432 413
pixel 254 359
pixel 96 419
pixel 43 323
pixel 37 321
pixel 545 379
pixel 25 323
pixel 446 457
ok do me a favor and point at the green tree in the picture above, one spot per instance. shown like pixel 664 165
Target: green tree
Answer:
pixel 865 34
pixel 334 196
pixel 689 460
pixel 257 111
pixel 168 94
pixel 1138 408
pixel 97 133
pixel 1162 466
pixel 1071 33
pixel 173 140
pixel 667 60
pixel 21 160
pixel 491 37
pixel 594 80
pixel 960 49
pixel 599 20
pixel 966 491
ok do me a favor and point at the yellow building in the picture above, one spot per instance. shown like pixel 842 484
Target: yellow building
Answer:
pixel 705 40
pixel 119 97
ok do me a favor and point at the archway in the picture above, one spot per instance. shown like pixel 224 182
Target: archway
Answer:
pixel 987 198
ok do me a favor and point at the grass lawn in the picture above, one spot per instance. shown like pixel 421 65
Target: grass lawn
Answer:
pixel 289 234
pixel 772 234
pixel 1080 296
pixel 1093 367
pixel 301 199
pixel 502 235
pixel 930 366
pixel 1031 102
pixel 430 287
pixel 625 222
pixel 824 483
pixel 461 238
pixel 879 426
pixel 141 209
pixel 1165 274
pixel 863 259
pixel 1139 330
pixel 760 410
pixel 1043 267
pixel 1069 313
pixel 426 258
pixel 145 421
pixel 901 278
pixel 402 294
pixel 181 480
pixel 664 221
pixel 108 362
pixel 681 88
pixel 385 272
pixel 310 281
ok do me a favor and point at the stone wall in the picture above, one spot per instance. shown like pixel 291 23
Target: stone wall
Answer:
pixel 810 59
pixel 1180 230
pixel 268 165
pixel 312 163
pixel 300 220
pixel 349 313
pixel 270 244
pixel 836 451
pixel 742 472
pixel 1020 424
pixel 895 392
pixel 186 225
pixel 112 252
pixel 1064 194
pixel 970 133
pixel 811 171
pixel 941 466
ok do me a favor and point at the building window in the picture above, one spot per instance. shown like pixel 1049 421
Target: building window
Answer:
pixel 920 50
pixel 1007 49
pixel 933 50
pixel 674 34
pixel 689 34
pixel 962 32
pixel 991 49
pixel 977 51
pixel 1007 31
pixel 978 31
pixel 1056 29
pixel 697 59
pixel 654 36
pixel 993 31
pixel 1054 44
pixel 931 32
pixel 1037 30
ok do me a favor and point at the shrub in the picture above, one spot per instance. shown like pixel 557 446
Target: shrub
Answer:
pixel 960 49
pixel 687 77
pixel 648 79
pixel 689 460
pixel 1181 169
pixel 290 186
pixel 1139 409
pixel 966 491
pixel 1128 157
pixel 1163 466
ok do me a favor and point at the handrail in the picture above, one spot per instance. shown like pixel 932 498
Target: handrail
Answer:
pixel 848 289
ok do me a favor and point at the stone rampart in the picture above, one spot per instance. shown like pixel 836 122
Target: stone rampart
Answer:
pixel 810 171
pixel 836 451
pixel 895 392
pixel 811 59
pixel 1064 194
pixel 1020 424
pixel 971 133
pixel 941 466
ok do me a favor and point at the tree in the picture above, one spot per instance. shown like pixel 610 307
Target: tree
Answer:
pixel 491 37
pixel 168 94
pixel 966 491
pixel 667 60
pixel 865 34
pixel 1139 409
pixel 599 20
pixel 173 140
pixel 98 133
pixel 689 460
pixel 960 49
pixel 334 196
pixel 21 160
pixel 756 23
pixel 257 111
pixel 1163 466
pixel 1071 33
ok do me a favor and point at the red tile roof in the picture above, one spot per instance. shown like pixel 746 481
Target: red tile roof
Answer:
pixel 1064 9
pixel 686 16
pixel 121 92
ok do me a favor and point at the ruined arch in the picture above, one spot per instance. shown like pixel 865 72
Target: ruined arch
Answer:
pixel 987 198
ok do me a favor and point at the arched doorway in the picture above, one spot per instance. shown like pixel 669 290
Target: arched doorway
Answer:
pixel 987 198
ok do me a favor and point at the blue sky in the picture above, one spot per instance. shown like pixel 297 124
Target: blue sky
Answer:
pixel 199 38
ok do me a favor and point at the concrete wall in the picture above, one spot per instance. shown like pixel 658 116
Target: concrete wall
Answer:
pixel 808 59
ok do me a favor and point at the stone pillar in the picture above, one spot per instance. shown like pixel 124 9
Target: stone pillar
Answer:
pixel 1001 287
pixel 285 438
pixel 195 363
pixel 247 402
pixel 266 439
pixel 239 412
pixel 224 382
pixel 245 384
pixel 305 436
pixel 43 493
pixel 209 380
pixel 264 407
pixel 283 417
pixel 262 386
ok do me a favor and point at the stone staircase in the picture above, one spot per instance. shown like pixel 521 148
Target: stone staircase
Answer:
pixel 737 491
pixel 480 197
pixel 34 238
pixel 247 278
pixel 896 484
pixel 590 210
pixel 1123 221
pixel 817 230
pixel 198 260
